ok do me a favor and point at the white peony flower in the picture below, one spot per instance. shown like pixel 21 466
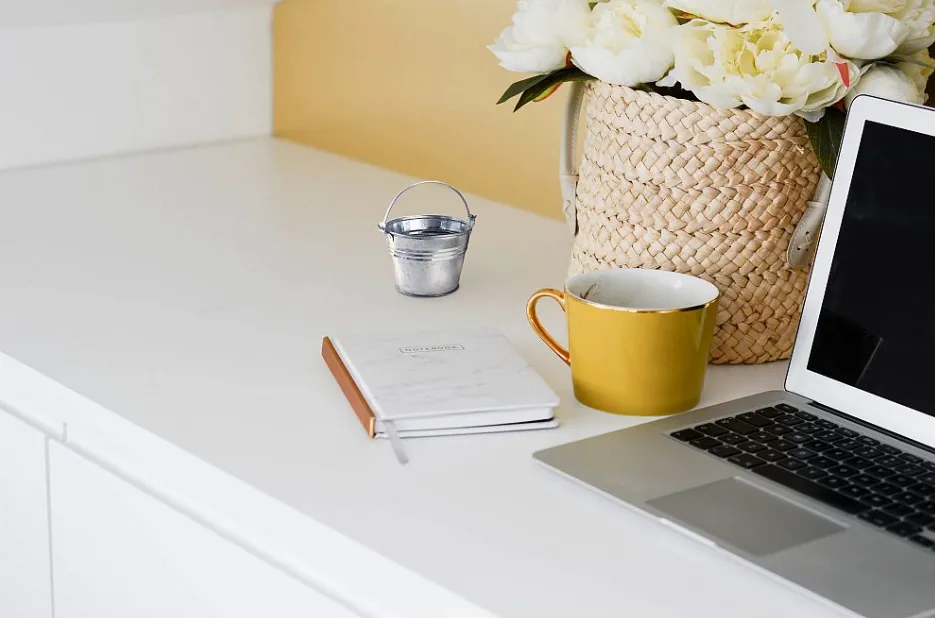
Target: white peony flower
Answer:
pixel 755 65
pixel 541 33
pixel 919 17
pixel 863 34
pixel 629 42
pixel 917 73
pixel 725 11
pixel 888 82
pixel 876 6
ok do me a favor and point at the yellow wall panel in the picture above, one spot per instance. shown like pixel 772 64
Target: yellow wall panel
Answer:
pixel 409 85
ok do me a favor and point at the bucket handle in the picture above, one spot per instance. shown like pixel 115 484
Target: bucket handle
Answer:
pixel 464 201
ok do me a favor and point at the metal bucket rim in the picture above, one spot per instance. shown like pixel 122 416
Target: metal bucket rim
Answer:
pixel 466 225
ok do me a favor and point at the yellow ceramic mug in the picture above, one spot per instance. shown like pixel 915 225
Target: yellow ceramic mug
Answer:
pixel 638 340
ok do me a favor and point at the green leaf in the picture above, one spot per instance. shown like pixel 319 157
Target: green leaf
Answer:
pixel 551 81
pixel 520 86
pixel 909 59
pixel 826 135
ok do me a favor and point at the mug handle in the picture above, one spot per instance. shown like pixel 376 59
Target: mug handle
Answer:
pixel 533 318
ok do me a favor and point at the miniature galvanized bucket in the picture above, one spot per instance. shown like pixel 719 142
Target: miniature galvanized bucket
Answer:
pixel 428 250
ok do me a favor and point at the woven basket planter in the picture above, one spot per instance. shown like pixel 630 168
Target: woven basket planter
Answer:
pixel 683 186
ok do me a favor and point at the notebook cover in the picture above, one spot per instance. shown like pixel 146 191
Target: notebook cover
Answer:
pixel 444 372
pixel 348 386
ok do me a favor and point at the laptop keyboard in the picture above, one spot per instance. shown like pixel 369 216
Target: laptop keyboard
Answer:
pixel 842 468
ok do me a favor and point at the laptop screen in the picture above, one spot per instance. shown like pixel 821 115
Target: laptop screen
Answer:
pixel 876 329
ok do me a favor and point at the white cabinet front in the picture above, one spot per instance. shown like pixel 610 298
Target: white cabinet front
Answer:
pixel 25 587
pixel 120 553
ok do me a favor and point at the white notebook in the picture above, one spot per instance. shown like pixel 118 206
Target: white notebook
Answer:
pixel 446 382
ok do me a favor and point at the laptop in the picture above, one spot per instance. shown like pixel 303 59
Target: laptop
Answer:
pixel 828 485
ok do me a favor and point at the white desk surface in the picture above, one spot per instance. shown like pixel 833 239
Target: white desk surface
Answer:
pixel 188 292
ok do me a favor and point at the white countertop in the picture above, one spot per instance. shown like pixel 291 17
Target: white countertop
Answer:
pixel 188 292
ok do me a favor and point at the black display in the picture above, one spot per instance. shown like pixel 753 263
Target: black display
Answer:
pixel 876 330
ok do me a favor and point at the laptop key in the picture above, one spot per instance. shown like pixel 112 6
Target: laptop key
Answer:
pixel 687 435
pixel 904 528
pixel 818 445
pixel 924 541
pixel 823 462
pixel 921 519
pixel 811 473
pixel 911 458
pixel 842 470
pixel 901 480
pixel 868 452
pixel 745 460
pixel 879 518
pixel 868 441
pixel 898 510
pixel 927 507
pixel 854 491
pixel 910 469
pixel 923 489
pixel 834 482
pixel 827 435
pixel 790 421
pixel 857 462
pixel 889 461
pixel 805 416
pixel 760 436
pixel 771 455
pixel 779 430
pixel 847 433
pixel 890 450
pixel 847 444
pixel 865 479
pixel 928 465
pixel 928 478
pixel 732 439
pixel 752 447
pixel 886 489
pixel 710 429
pixel 837 453
pixel 797 438
pixel 824 424
pixel 770 412
pixel 879 471
pixel 785 407
pixel 907 497
pixel 811 489
pixel 705 443
pixel 724 451
pixel 790 464
pixel 801 453
pixel 754 419
pixel 736 426
pixel 808 428
pixel 876 500
pixel 782 445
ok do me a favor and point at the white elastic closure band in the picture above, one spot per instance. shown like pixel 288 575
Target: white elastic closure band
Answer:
pixel 567 166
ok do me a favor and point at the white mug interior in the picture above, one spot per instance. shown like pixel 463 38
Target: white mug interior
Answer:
pixel 638 289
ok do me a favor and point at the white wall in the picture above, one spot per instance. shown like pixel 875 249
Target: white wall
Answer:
pixel 89 78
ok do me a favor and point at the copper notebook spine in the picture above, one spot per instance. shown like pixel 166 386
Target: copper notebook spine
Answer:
pixel 348 386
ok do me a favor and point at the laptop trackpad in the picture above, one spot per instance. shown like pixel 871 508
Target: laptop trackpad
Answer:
pixel 745 516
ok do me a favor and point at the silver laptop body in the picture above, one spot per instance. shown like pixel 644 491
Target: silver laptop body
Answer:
pixel 739 476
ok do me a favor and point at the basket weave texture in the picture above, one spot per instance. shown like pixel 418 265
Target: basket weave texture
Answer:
pixel 680 185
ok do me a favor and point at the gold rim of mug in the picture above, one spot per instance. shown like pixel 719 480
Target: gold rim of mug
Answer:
pixel 629 310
